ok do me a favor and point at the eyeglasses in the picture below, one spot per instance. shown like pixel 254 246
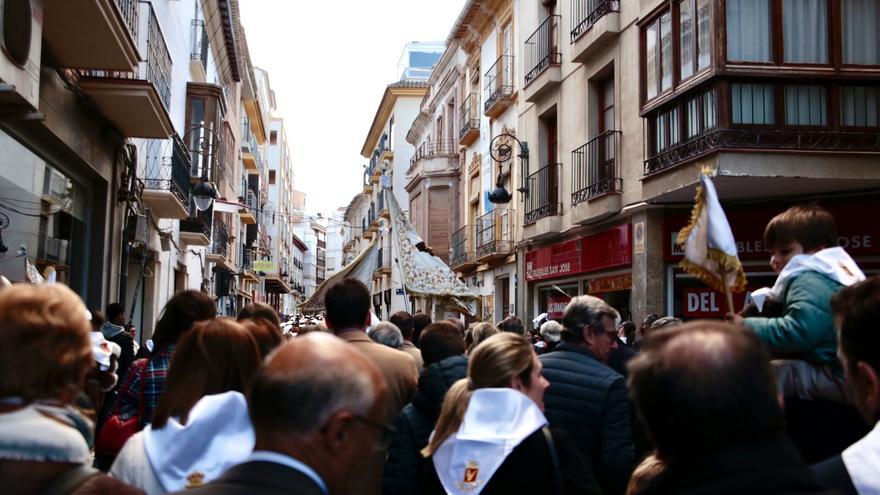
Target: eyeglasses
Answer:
pixel 386 429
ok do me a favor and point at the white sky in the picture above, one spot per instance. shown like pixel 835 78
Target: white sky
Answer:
pixel 329 63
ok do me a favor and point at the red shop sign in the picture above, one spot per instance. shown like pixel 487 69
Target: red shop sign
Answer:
pixel 556 306
pixel 558 260
pixel 608 249
pixel 856 232
pixel 708 303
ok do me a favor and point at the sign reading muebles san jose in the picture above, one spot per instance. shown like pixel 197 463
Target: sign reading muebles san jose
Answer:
pixel 607 249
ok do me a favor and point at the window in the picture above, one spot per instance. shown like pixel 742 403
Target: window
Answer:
pixel 700 113
pixel 861 32
pixel 273 137
pixel 859 106
pixel 805 105
pixel 658 55
pixel 748 30
pixel 271 177
pixel 693 16
pixel 391 133
pixel 606 105
pixel 752 103
pixel 666 130
pixel 805 31
pixel 686 40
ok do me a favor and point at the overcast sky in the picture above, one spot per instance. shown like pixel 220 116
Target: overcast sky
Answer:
pixel 329 63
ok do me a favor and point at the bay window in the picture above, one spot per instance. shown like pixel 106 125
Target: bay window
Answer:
pixel 806 105
pixel 658 55
pixel 693 21
pixel 859 106
pixel 805 31
pixel 861 32
pixel 752 104
pixel 748 31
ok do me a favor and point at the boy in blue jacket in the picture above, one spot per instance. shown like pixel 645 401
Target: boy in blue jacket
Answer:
pixel 803 243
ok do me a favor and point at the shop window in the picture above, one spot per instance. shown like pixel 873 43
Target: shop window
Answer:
pixel 752 103
pixel 859 106
pixel 861 32
pixel 805 105
pixel 805 31
pixel 748 30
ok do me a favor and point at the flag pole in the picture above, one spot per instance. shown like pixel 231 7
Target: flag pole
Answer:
pixel 727 294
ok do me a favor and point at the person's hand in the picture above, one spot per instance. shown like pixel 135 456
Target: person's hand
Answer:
pixel 734 318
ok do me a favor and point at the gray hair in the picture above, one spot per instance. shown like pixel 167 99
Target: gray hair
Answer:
pixel 665 322
pixel 551 331
pixel 303 399
pixel 586 310
pixel 481 332
pixel 387 333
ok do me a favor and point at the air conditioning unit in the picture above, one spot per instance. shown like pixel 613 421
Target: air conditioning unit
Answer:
pixel 21 30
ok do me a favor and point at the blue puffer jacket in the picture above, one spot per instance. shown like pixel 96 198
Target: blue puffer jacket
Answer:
pixel 589 400
pixel 404 469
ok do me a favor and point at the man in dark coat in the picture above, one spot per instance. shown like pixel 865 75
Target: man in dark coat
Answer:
pixel 114 331
pixel 317 406
pixel 707 395
pixel 444 349
pixel 857 311
pixel 588 399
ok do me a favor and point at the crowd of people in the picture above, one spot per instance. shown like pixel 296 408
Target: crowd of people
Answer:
pixel 586 405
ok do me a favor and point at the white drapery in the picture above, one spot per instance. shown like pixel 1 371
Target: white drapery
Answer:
pixel 748 30
pixel 805 31
pixel 861 32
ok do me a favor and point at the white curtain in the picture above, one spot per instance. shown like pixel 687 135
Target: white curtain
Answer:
pixel 805 31
pixel 752 103
pixel 748 30
pixel 805 105
pixel 861 32
pixel 859 106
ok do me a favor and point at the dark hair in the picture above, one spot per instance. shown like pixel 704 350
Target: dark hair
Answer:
pixel 217 356
pixel 810 225
pixel 511 324
pixel 348 304
pixel 265 334
pixel 403 321
pixel 703 387
pixel 420 321
pixel 441 340
pixel 113 311
pixel 97 320
pixel 629 330
pixel 181 312
pixel 857 309
pixel 260 310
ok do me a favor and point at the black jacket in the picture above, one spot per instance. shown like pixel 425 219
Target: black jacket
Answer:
pixel 833 475
pixel 772 467
pixel 403 470
pixel 126 357
pixel 589 400
pixel 259 478
pixel 529 470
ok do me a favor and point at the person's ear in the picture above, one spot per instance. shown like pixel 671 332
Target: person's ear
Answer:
pixel 587 335
pixel 517 384
pixel 868 385
pixel 337 431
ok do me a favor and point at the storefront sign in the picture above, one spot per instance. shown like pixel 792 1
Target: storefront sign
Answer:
pixel 856 232
pixel 556 306
pixel 608 249
pixel 611 284
pixel 556 261
pixel 263 266
pixel 708 303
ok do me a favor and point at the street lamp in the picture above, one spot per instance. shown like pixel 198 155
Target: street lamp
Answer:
pixel 204 194
pixel 502 154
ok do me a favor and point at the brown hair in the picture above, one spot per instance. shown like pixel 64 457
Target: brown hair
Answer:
pixel 440 340
pixel 260 310
pixel 45 351
pixel 493 364
pixel 266 335
pixel 810 225
pixel 179 315
pixel 857 309
pixel 216 356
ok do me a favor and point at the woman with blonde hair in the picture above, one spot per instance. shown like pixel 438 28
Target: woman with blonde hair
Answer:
pixel 492 436
pixel 481 331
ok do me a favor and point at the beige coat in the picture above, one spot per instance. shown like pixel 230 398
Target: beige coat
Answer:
pixel 410 348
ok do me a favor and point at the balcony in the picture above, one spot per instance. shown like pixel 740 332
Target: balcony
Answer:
pixel 461 254
pixel 248 214
pixel 221 246
pixel 196 230
pixel 166 178
pixel 246 257
pixel 385 151
pixel 542 202
pixel 494 236
pixel 93 34
pixel 469 126
pixel 250 151
pixel 136 102
pixel 383 263
pixel 198 57
pixel 498 87
pixel 383 208
pixel 596 23
pixel 543 59
pixel 434 156
pixel 595 178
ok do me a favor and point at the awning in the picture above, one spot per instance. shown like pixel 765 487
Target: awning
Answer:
pixel 275 285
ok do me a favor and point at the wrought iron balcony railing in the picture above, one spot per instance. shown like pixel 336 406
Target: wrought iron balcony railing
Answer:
pixel 167 171
pixel 542 48
pixel 494 234
pixel 199 43
pixel 585 13
pixel 129 10
pixel 594 168
pixel 461 252
pixel 469 115
pixel 433 149
pixel 199 224
pixel 220 239
pixel 498 82
pixel 542 194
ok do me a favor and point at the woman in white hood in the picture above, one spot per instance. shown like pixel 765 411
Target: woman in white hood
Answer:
pixel 201 425
pixel 492 436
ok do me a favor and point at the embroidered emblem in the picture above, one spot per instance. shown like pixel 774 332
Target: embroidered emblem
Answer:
pixel 195 479
pixel 470 482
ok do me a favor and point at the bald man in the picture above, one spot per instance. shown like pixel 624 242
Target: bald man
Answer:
pixel 318 408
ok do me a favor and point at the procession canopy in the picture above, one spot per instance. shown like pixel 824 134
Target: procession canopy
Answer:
pixel 360 269
pixel 422 273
